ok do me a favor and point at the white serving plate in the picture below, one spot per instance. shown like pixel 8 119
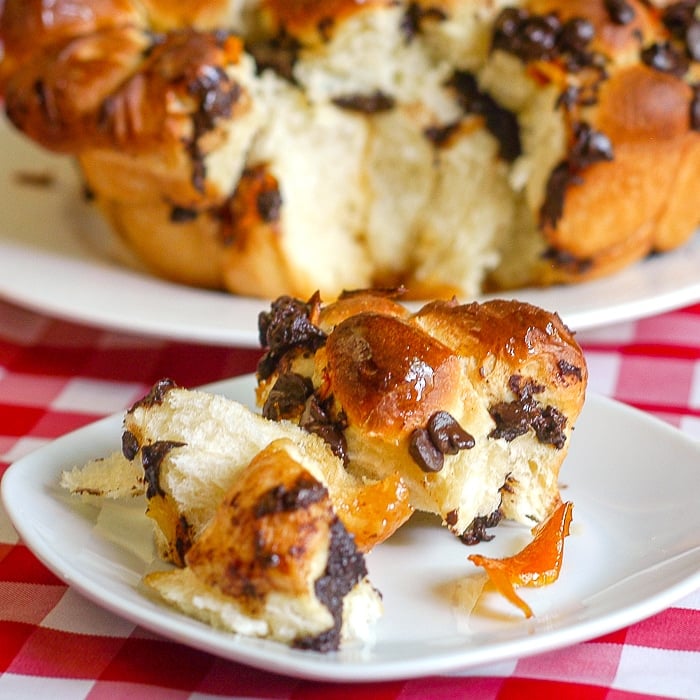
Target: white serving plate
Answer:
pixel 634 549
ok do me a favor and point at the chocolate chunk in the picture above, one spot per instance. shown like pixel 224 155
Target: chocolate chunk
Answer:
pixel 346 567
pixel 304 492
pixel 152 457
pixel 424 452
pixel 367 104
pixel 664 57
pixel 156 395
pixel 287 396
pixel 620 11
pixel 447 434
pixel 286 326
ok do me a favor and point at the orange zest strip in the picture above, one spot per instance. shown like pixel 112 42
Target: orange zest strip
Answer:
pixel 537 564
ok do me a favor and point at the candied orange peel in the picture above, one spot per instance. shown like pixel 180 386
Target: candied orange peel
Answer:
pixel 537 564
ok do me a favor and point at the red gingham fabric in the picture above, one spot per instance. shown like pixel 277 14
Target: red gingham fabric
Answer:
pixel 57 376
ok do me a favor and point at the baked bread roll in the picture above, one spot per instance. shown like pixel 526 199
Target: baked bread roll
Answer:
pixel 452 146
pixel 472 405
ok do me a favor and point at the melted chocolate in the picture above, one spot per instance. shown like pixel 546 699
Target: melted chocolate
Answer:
pixel 415 15
pixel 304 492
pixel 501 123
pixel 152 457
pixel 366 104
pixel 318 418
pixel 279 55
pixel 442 436
pixel 156 395
pixel 476 531
pixel 515 418
pixel 287 397
pixel 286 326
pixel 345 569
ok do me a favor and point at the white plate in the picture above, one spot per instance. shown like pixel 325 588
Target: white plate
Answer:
pixel 634 550
pixel 57 256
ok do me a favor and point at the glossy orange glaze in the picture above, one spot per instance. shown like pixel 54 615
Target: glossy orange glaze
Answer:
pixel 537 564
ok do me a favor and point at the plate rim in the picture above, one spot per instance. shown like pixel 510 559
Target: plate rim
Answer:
pixel 302 664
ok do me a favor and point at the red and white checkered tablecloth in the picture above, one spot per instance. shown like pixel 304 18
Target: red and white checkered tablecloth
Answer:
pixel 56 376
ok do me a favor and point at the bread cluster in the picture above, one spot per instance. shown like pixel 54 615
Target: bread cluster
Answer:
pixel 472 404
pixel 368 413
pixel 274 147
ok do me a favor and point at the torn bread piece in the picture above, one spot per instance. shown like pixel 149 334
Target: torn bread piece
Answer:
pixel 183 449
pixel 275 561
pixel 113 476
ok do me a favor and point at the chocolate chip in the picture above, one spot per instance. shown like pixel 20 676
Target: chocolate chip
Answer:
pixel 590 146
pixel 576 34
pixel 695 109
pixel 152 457
pixel 424 452
pixel 664 57
pixel 515 418
pixel 130 445
pixel 475 532
pixel 287 397
pixel 620 11
pixel 367 104
pixel 286 326
pixel 447 434
pixel 269 204
pixel 304 492
pixel 179 215
pixel 318 418
pixel 501 123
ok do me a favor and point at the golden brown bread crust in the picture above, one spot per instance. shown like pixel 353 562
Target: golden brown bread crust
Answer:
pixel 277 512
pixel 504 381
pixel 154 91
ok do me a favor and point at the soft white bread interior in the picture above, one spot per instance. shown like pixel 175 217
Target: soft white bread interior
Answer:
pixel 194 445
